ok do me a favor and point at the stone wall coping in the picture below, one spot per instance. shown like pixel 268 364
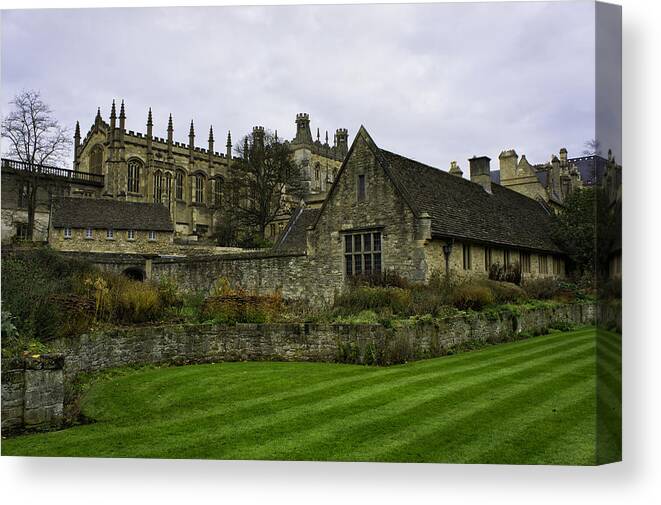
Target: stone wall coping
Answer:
pixel 51 361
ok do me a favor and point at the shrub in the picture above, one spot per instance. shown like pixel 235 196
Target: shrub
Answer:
pixel 510 273
pixel 387 279
pixel 505 292
pixel 472 297
pixel 136 302
pixel 541 288
pixel 356 299
pixel 240 307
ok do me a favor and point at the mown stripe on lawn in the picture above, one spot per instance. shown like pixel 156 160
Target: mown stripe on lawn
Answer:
pixel 405 404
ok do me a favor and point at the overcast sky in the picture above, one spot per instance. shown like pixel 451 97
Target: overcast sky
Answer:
pixel 435 82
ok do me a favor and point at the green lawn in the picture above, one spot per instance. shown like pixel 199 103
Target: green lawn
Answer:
pixel 531 401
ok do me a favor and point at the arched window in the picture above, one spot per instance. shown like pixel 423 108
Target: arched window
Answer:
pixel 168 187
pixel 217 191
pixel 199 188
pixel 134 176
pixel 179 185
pixel 158 186
pixel 96 159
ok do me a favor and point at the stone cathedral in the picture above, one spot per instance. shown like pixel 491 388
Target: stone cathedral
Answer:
pixel 186 178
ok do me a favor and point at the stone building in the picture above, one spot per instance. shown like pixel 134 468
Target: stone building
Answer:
pixel 51 182
pixel 388 212
pixel 186 178
pixel 106 225
pixel 549 182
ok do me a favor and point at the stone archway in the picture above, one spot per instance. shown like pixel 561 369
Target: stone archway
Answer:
pixel 135 273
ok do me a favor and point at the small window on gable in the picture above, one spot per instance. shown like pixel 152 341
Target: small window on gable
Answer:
pixel 361 187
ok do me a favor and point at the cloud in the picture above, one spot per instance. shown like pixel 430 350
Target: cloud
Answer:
pixel 437 82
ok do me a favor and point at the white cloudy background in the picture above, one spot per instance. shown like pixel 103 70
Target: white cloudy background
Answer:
pixel 436 82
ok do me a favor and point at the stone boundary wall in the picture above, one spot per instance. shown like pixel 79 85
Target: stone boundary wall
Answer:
pixel 33 388
pixel 205 343
pixel 32 393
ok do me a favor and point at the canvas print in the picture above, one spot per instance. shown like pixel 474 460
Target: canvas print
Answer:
pixel 376 233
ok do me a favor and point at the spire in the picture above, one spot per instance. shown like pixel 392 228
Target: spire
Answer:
pixel 317 134
pixel 170 129
pixel 149 119
pixel 97 119
pixel 276 136
pixel 326 137
pixel 113 114
pixel 122 115
pixel 191 133
pixel 229 139
pixel 76 134
pixel 210 133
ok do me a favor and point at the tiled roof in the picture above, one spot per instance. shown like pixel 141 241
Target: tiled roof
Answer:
pixel 462 209
pixel 293 239
pixel 107 213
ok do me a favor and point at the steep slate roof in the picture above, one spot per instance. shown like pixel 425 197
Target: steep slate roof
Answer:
pixel 294 238
pixel 106 213
pixel 462 209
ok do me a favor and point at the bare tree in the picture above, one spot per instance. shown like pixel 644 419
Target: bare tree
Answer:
pixel 36 138
pixel 263 181
pixel 592 148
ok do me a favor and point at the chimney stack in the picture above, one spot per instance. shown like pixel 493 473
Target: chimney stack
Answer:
pixel 480 171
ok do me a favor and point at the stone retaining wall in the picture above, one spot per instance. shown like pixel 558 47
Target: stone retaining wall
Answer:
pixel 199 343
pixel 33 389
pixel 32 393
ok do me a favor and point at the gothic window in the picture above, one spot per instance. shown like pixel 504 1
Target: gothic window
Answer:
pixel 134 176
pixel 217 192
pixel 96 159
pixel 361 188
pixel 158 186
pixel 362 253
pixel 168 187
pixel 179 186
pixel 317 174
pixel 199 188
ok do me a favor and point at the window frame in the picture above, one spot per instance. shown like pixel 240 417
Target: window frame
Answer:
pixel 151 235
pixel 67 232
pixel 362 252
pixel 110 234
pixel 466 256
pixel 199 189
pixel 89 233
pixel 130 234
pixel 361 188
pixel 133 175
pixel 179 183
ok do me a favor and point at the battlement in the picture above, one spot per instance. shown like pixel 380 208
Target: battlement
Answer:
pixel 303 115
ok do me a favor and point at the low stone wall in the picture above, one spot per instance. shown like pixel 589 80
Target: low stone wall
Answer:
pixel 33 389
pixel 200 343
pixel 32 394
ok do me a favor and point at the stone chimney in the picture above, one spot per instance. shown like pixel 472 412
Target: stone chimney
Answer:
pixel 455 170
pixel 480 171
pixel 508 161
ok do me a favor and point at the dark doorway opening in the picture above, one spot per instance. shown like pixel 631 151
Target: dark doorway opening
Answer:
pixel 135 273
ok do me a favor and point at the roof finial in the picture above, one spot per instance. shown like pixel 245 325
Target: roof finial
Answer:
pixel 113 114
pixel 229 138
pixel 149 120
pixel 326 137
pixel 210 133
pixel 77 132
pixel 122 115
pixel 276 136
pixel 317 134
pixel 191 133
pixel 170 122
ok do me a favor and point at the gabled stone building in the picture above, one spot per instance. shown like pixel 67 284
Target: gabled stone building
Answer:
pixel 388 212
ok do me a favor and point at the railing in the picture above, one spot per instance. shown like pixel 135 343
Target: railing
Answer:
pixel 45 170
